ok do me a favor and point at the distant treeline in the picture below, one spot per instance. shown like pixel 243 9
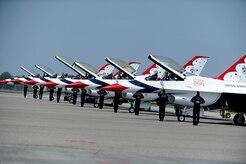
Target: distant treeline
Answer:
pixel 7 75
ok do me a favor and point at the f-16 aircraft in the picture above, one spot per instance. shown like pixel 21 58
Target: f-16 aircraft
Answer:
pixel 229 87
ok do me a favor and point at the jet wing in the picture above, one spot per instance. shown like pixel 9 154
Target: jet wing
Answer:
pixel 87 68
pixel 45 69
pixel 29 71
pixel 70 63
pixel 166 67
pixel 125 68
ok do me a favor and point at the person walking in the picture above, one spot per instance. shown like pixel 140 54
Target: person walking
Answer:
pixel 41 91
pixel 101 93
pixel 163 97
pixel 35 91
pixel 75 94
pixel 138 96
pixel 197 100
pixel 58 94
pixel 83 94
pixel 25 90
pixel 117 97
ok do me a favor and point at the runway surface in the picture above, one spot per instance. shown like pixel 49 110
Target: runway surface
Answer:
pixel 36 131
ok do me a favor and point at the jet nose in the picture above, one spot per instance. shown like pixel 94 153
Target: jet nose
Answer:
pixel 115 87
pixel 77 84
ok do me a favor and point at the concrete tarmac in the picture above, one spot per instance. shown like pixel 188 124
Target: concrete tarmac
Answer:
pixel 36 131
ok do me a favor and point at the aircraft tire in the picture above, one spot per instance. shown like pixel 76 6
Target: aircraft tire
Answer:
pixel 239 119
pixel 228 115
pixel 131 110
pixel 96 105
pixel 181 118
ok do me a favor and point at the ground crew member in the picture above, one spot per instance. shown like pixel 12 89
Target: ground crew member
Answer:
pixel 101 93
pixel 197 100
pixel 35 91
pixel 163 97
pixel 116 101
pixel 138 96
pixel 58 94
pixel 41 91
pixel 51 94
pixel 25 90
pixel 75 94
pixel 83 94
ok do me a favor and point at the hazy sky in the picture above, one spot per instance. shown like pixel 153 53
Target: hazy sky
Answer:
pixel 34 31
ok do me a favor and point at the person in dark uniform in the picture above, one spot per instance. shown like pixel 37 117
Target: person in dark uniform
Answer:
pixel 116 101
pixel 101 93
pixel 51 94
pixel 25 90
pixel 35 91
pixel 163 97
pixel 75 94
pixel 41 91
pixel 83 94
pixel 138 96
pixel 58 94
pixel 197 100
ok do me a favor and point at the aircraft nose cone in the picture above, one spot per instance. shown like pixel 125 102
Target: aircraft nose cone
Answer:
pixel 114 88
pixel 4 81
pixel 77 85
pixel 49 84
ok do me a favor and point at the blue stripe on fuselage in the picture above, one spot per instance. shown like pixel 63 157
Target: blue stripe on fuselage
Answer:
pixel 147 88
pixel 65 80
pixel 44 79
pixel 99 82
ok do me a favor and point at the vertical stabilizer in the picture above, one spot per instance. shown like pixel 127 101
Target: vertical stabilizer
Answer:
pixel 195 65
pixel 236 73
pixel 105 70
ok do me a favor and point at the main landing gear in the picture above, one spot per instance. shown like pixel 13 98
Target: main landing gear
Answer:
pixel 239 119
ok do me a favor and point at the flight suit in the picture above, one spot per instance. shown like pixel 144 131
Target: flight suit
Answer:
pixel 197 100
pixel 83 94
pixel 75 94
pixel 138 96
pixel 163 97
pixel 35 91
pixel 25 90
pixel 58 96
pixel 41 91
pixel 101 93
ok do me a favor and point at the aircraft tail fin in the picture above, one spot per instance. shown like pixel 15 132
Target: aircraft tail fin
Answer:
pixel 151 70
pixel 195 65
pixel 236 73
pixel 105 70
pixel 134 65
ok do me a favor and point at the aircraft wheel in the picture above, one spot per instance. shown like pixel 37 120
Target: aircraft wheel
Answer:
pixel 131 110
pixel 239 119
pixel 228 115
pixel 181 118
pixel 96 105
pixel 35 96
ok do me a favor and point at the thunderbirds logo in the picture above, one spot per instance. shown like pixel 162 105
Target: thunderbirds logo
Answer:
pixel 244 69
